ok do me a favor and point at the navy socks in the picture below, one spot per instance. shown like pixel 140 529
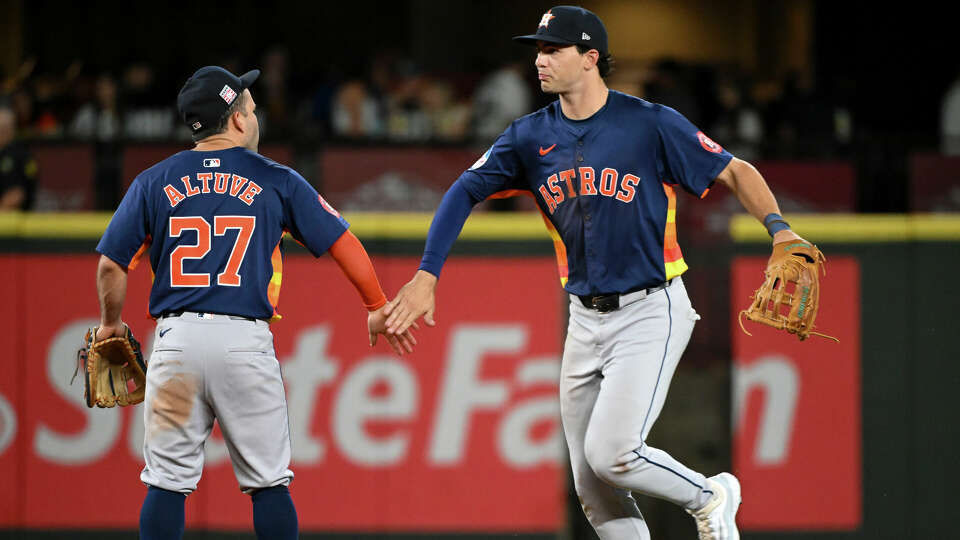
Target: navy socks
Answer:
pixel 274 516
pixel 161 517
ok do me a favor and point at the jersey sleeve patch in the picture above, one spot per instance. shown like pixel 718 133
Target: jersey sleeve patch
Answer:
pixel 327 206
pixel 483 159
pixel 708 144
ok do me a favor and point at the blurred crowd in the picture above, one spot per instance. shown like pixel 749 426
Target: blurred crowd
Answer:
pixel 390 99
pixel 393 99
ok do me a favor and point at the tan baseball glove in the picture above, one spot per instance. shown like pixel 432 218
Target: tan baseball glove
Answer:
pixel 109 366
pixel 789 297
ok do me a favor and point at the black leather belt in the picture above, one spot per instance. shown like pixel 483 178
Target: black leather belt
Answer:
pixel 201 313
pixel 605 303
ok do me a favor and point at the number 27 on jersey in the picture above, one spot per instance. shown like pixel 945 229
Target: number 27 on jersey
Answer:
pixel 230 276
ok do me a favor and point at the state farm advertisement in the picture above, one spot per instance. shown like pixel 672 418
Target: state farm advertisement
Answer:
pixel 461 435
pixel 796 409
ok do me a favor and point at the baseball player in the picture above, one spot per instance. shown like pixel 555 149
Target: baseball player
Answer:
pixel 604 168
pixel 211 220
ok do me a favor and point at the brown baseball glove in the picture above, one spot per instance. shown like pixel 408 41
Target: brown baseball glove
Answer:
pixel 109 366
pixel 789 297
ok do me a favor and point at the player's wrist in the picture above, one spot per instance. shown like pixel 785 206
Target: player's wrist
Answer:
pixel 775 223
pixel 786 235
pixel 378 305
pixel 426 276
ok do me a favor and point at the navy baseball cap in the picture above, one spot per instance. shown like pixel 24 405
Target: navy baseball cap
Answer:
pixel 570 25
pixel 208 94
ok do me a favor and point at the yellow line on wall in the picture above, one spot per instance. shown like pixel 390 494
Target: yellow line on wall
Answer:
pixel 855 228
pixel 529 226
pixel 366 225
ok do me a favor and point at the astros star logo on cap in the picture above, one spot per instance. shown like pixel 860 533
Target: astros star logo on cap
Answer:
pixel 545 20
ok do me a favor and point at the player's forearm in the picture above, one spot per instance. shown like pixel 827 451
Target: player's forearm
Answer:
pixel 751 189
pixel 447 223
pixel 355 264
pixel 112 290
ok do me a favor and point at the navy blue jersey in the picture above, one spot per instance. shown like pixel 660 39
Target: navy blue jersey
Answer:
pixel 607 186
pixel 213 222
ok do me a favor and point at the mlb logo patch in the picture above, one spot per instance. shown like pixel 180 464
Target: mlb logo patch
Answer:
pixel 211 162
pixel 228 94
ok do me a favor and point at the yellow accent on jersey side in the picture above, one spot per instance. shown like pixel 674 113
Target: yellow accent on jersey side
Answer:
pixel 675 268
pixel 273 288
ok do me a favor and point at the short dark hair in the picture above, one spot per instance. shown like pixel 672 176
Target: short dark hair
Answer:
pixel 221 125
pixel 604 64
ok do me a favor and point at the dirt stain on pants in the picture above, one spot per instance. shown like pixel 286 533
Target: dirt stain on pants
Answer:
pixel 173 403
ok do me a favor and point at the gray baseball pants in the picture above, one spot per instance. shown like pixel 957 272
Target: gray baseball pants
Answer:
pixel 616 370
pixel 205 367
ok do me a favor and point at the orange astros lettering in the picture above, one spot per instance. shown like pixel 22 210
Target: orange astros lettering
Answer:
pixel 548 199
pixel 608 182
pixel 205 177
pixel 567 177
pixel 628 185
pixel 237 185
pixel 242 188
pixel 557 192
pixel 191 190
pixel 250 193
pixel 586 181
pixel 612 184
pixel 221 184
pixel 174 195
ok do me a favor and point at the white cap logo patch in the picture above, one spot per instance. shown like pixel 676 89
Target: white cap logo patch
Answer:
pixel 228 94
pixel 545 20
pixel 585 36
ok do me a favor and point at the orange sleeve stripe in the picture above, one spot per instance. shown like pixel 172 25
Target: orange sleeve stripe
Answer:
pixel 355 263
pixel 143 249
pixel 704 194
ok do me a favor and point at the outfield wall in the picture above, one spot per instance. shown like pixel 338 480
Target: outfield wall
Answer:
pixel 847 440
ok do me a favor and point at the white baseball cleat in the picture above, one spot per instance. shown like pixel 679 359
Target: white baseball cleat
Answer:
pixel 717 520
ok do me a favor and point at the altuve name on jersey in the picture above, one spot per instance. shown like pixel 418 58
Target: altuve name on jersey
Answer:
pixel 216 183
pixel 609 184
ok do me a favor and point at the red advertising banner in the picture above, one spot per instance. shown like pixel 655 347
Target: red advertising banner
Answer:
pixel 797 437
pixel 462 435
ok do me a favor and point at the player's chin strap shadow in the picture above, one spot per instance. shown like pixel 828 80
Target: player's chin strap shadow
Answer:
pixel 801 337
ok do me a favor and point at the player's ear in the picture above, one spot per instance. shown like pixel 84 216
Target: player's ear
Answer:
pixel 237 121
pixel 591 58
